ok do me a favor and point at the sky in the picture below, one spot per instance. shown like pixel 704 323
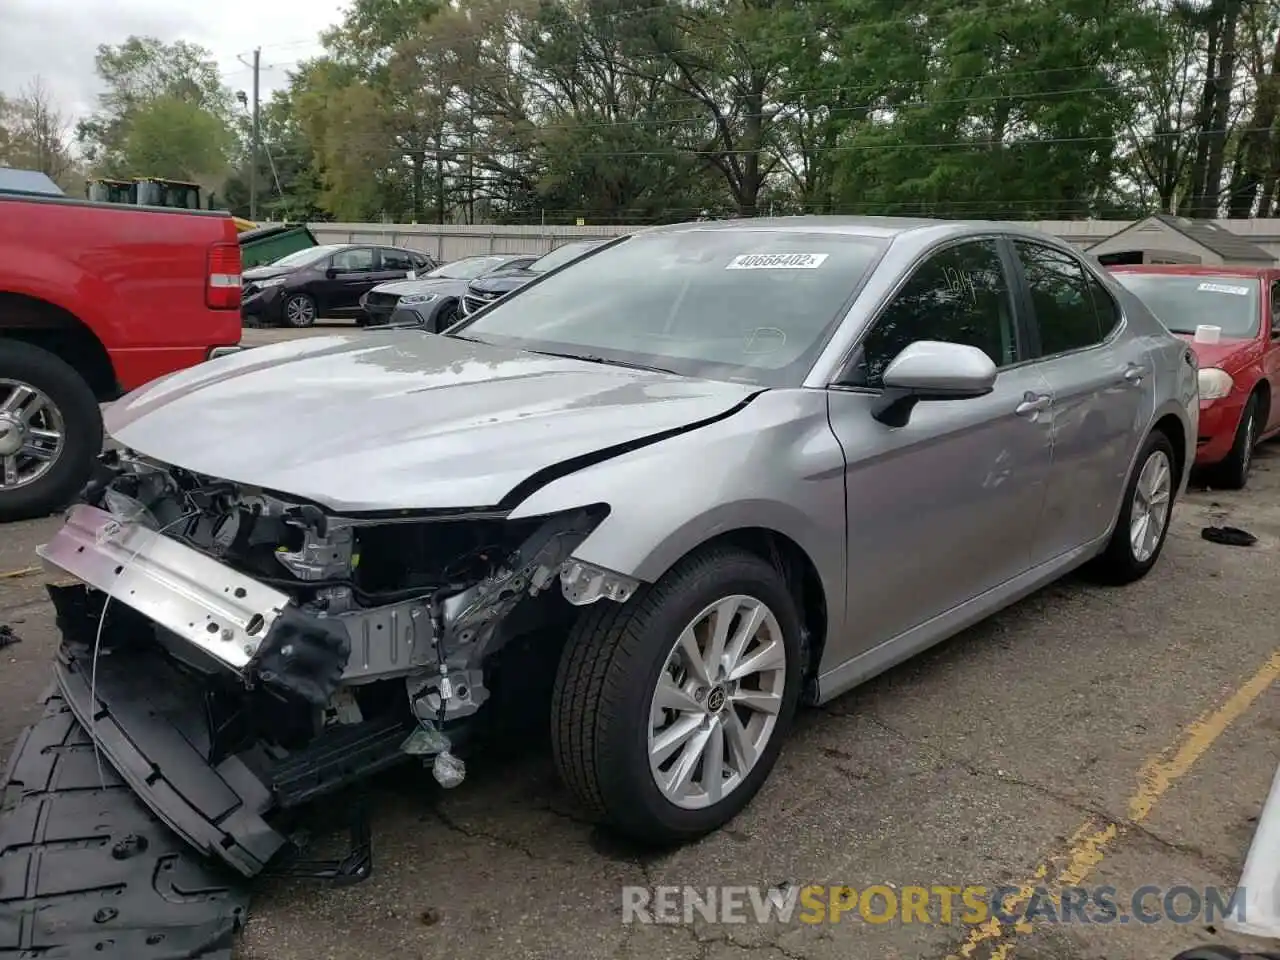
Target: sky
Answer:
pixel 57 39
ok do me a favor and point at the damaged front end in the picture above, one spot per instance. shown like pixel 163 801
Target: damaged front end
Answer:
pixel 235 655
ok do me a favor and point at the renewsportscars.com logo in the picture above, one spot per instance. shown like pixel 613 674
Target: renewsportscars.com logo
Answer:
pixel 942 904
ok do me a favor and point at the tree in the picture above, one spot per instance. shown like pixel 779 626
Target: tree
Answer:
pixel 149 83
pixel 35 134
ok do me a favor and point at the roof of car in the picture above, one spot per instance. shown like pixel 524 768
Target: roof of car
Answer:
pixel 881 227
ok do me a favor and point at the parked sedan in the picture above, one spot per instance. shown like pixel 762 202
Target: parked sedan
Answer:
pixel 482 292
pixel 706 474
pixel 432 301
pixel 1238 351
pixel 323 281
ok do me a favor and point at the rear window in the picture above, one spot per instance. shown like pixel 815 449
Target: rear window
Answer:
pixel 1184 301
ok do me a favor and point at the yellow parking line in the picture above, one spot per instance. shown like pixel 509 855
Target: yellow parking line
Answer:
pixel 1087 847
pixel 15 574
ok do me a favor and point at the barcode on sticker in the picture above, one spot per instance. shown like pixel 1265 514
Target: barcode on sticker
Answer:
pixel 1224 288
pixel 777 261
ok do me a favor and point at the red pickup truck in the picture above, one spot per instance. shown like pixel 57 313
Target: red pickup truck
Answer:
pixel 97 299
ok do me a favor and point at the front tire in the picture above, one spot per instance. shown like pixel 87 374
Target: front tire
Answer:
pixel 299 310
pixel 1143 526
pixel 1233 472
pixel 449 315
pixel 669 711
pixel 50 432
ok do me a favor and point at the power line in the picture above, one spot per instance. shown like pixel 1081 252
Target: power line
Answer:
pixel 395 149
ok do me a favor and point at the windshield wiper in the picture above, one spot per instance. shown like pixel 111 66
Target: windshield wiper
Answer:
pixel 592 358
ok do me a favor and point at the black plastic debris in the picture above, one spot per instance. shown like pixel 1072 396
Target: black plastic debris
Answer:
pixel 1229 536
pixel 86 870
pixel 7 636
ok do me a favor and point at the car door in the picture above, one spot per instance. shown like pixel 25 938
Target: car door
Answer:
pixel 1101 380
pixel 352 272
pixel 946 507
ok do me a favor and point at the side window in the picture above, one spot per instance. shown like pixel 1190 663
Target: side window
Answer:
pixel 1275 310
pixel 396 260
pixel 1065 305
pixel 422 263
pixel 355 260
pixel 958 295
pixel 1104 304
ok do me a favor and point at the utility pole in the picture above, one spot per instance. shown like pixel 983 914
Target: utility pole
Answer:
pixel 255 137
pixel 253 164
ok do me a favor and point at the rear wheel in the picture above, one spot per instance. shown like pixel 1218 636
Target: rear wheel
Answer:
pixel 670 710
pixel 1143 526
pixel 299 310
pixel 1233 472
pixel 50 431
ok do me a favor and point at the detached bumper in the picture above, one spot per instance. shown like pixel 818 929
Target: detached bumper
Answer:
pixel 147 721
pixel 1259 884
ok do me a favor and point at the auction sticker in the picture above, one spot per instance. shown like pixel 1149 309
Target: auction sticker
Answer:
pixel 1224 288
pixel 777 261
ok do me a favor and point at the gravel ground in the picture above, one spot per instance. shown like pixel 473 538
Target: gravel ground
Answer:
pixel 1118 737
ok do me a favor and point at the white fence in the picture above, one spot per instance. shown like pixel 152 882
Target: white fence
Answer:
pixel 451 241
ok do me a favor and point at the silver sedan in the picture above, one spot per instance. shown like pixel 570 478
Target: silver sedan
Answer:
pixel 706 473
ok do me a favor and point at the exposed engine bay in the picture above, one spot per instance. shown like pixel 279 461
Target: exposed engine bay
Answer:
pixel 287 651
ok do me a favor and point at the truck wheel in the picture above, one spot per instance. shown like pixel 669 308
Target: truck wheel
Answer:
pixel 670 710
pixel 299 310
pixel 50 432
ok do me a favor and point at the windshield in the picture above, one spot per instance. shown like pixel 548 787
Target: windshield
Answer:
pixel 562 255
pixel 468 268
pixel 752 305
pixel 302 257
pixel 1183 301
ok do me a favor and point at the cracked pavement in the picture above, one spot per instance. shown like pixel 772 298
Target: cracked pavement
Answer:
pixel 969 765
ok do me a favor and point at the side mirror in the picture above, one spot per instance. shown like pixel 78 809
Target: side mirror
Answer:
pixel 933 370
pixel 331 272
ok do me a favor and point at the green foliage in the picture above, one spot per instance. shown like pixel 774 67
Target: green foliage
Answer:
pixel 652 110
pixel 149 85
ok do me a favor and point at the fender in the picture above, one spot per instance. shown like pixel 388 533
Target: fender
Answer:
pixel 774 465
pixel 1169 407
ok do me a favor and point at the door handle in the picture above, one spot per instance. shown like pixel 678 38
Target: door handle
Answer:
pixel 1033 403
pixel 1133 374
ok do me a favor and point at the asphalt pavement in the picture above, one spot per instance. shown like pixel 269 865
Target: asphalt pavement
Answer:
pixel 1120 737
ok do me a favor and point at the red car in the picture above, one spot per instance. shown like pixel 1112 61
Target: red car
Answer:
pixel 1239 363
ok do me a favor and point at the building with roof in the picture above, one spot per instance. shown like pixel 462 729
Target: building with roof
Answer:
pixel 1163 238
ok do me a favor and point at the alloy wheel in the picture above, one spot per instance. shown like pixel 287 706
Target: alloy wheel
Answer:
pixel 1152 501
pixel 300 312
pixel 32 434
pixel 717 701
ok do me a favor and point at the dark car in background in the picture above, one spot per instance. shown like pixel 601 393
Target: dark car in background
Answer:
pixel 323 281
pixel 431 300
pixel 482 292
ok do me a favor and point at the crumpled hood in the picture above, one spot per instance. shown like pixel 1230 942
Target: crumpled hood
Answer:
pixel 265 272
pixel 401 419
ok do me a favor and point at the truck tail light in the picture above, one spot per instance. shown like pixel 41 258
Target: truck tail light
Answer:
pixel 222 283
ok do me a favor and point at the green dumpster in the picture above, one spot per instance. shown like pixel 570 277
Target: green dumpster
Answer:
pixel 268 243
